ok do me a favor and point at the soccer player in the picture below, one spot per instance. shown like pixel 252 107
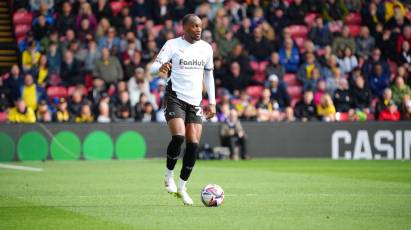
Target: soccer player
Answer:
pixel 190 61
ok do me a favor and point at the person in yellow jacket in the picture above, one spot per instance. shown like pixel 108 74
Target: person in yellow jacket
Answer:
pixel 85 115
pixel 30 57
pixel 390 7
pixel 21 113
pixel 31 93
pixel 326 108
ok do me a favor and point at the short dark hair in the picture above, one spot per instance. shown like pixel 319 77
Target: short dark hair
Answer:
pixel 187 18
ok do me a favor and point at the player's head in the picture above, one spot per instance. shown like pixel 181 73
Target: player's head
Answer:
pixel 192 26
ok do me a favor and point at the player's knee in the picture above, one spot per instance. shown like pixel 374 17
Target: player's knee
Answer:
pixel 174 147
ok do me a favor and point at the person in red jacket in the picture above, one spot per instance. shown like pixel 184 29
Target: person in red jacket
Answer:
pixel 390 113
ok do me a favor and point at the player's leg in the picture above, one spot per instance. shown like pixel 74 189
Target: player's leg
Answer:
pixel 193 134
pixel 177 130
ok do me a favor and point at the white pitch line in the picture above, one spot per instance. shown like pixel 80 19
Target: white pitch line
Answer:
pixel 19 167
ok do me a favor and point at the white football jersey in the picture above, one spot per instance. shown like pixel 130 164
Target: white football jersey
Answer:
pixel 189 60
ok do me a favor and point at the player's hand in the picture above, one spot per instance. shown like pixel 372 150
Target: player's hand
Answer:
pixel 165 68
pixel 210 111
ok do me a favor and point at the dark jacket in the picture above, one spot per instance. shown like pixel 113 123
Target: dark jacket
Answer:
pixel 71 73
pixel 342 100
pixel 305 112
pixel 361 97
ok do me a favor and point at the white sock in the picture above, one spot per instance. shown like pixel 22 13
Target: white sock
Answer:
pixel 169 173
pixel 182 184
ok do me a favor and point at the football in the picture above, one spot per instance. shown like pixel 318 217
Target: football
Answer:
pixel 212 195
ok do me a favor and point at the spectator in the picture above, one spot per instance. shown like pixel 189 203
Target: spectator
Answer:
pixel 43 113
pixel 70 70
pixel 91 56
pixel 372 16
pixel 289 56
pixel 232 134
pixel 268 110
pixel 259 47
pixel 42 71
pixel 399 21
pixel 5 95
pixel 102 9
pixel 62 114
pixel 364 43
pixel 343 100
pixel 137 85
pixel 108 67
pixel 378 81
pixel 404 37
pixel 404 57
pixel 77 100
pixel 41 28
pixel 31 93
pixel 30 57
pixel 326 109
pixel 361 95
pixel 390 113
pixel 104 113
pixel 399 90
pixel 227 44
pixel 239 55
pixel 320 90
pixel 86 12
pixel 305 71
pixel 161 11
pixel 279 20
pixel 235 81
pixel 343 41
pixel 296 12
pixel 110 41
pixel 383 102
pixel 122 106
pixel 66 20
pixel 275 67
pixel 141 11
pixel 14 81
pixel 54 58
pixel 178 10
pixel 244 33
pixel 97 92
pixel 130 65
pixel 279 93
pixel 148 113
pixel 319 33
pixel 305 110
pixel 406 108
pixel 35 4
pixel 370 63
pixel 21 113
pixel 85 115
pixel 348 61
pixel 334 10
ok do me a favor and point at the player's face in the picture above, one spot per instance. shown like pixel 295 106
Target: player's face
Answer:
pixel 193 29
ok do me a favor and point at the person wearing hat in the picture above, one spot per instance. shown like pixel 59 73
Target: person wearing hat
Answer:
pixel 62 114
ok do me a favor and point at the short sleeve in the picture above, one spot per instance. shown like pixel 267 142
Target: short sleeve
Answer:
pixel 165 54
pixel 209 66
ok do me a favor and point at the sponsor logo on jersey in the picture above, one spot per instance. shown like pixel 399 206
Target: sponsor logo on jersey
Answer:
pixel 192 64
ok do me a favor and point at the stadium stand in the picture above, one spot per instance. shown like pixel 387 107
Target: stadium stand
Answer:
pixel 58 35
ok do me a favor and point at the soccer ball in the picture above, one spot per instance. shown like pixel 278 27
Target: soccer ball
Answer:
pixel 212 195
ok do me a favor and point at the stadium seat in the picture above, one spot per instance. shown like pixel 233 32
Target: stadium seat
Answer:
pixel 22 18
pixel 354 30
pixel 291 79
pixel 157 29
pixel 263 66
pixel 298 31
pixel 300 42
pixel 21 30
pixel 116 7
pixel 353 19
pixel 56 91
pixel 254 66
pixel 294 91
pixel 334 27
pixel 339 116
pixel 254 91
pixel 3 117
pixel 54 79
pixel 309 19
pixel 259 77
pixel 71 89
pixel 393 68
pixel 295 101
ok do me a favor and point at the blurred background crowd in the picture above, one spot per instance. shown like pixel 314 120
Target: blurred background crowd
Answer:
pixel 274 60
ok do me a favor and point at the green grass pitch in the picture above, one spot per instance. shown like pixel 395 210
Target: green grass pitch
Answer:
pixel 260 194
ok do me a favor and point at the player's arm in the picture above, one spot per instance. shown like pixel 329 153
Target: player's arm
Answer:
pixel 210 87
pixel 162 62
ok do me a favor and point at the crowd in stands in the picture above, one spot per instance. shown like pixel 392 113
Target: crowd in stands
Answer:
pixel 274 60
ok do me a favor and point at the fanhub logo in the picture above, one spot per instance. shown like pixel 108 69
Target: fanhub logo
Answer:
pixel 383 144
pixel 191 64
